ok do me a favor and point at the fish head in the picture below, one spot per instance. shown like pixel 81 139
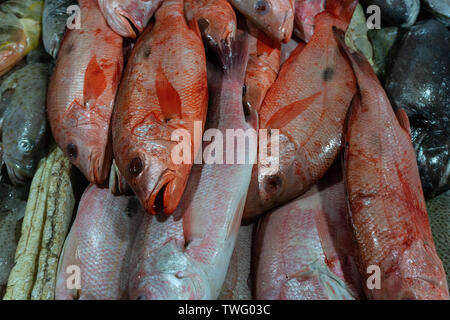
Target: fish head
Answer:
pixel 24 146
pixel 274 170
pixel 153 175
pixel 126 16
pixel 275 17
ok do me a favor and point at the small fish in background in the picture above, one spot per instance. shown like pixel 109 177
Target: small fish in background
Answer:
pixel 237 285
pixel 126 17
pixel 439 215
pixel 164 88
pixel 54 21
pixel 20 29
pixel 82 92
pixel 305 12
pixel 385 195
pixel 216 20
pixel 274 17
pixel 99 243
pixel 304 250
pixel 24 126
pixel 398 13
pixel 13 201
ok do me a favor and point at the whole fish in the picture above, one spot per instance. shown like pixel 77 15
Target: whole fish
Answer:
pixel 237 285
pixel 24 125
pixel 126 16
pixel 387 207
pixel 82 90
pixel 305 12
pixel 274 17
pixel 186 255
pixel 304 250
pixel 99 243
pixel 54 21
pixel 438 213
pixel 12 209
pixel 308 104
pixel 262 69
pixel 164 88
pixel 20 28
pixel 216 19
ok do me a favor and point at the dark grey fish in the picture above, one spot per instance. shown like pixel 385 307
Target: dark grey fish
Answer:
pixel 54 22
pixel 12 209
pixel 24 128
pixel 399 13
pixel 432 147
pixel 418 75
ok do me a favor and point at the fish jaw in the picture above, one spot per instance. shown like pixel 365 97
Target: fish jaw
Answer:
pixel 122 16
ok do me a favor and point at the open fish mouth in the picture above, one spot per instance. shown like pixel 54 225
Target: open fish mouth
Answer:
pixel 161 198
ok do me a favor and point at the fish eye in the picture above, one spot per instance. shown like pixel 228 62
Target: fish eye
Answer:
pixel 262 7
pixel 72 151
pixel 25 145
pixel 273 184
pixel 136 166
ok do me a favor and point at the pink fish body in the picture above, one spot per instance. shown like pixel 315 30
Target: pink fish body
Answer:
pixel 305 12
pixel 99 244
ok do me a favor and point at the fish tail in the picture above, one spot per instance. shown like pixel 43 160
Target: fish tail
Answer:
pixel 342 9
pixel 233 57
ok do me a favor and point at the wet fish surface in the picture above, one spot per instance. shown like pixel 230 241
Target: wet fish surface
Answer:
pixel 387 207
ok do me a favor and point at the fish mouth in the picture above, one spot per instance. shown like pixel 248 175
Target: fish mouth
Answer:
pixel 129 26
pixel 17 175
pixel 162 196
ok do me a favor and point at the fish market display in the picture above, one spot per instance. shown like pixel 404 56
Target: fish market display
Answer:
pixel 12 210
pixel 47 218
pixel 274 17
pixel 124 16
pixel 224 149
pixel 305 12
pixel 237 285
pixel 262 69
pixel 304 250
pixel 310 118
pixel 386 202
pixel 24 123
pixel 438 212
pixel 216 20
pixel 82 90
pixel 20 27
pixel 99 244
pixel 54 21
pixel 400 13
pixel 164 88
pixel 186 255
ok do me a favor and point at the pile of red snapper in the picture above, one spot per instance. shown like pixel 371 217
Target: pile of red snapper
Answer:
pixel 192 63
